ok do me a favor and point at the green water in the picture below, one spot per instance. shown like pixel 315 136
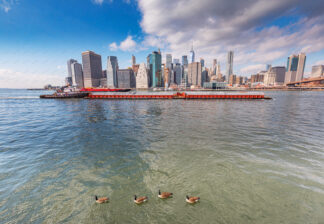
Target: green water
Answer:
pixel 248 161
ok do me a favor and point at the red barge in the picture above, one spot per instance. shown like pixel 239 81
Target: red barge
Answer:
pixel 187 95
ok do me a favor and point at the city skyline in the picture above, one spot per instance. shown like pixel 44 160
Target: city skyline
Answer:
pixel 35 53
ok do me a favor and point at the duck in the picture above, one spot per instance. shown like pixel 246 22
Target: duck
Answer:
pixel 101 200
pixel 164 195
pixel 140 200
pixel 192 200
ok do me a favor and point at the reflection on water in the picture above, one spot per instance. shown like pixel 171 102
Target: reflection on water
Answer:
pixel 249 161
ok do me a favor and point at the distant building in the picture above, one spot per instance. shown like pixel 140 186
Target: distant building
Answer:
pixel 317 71
pixel 194 74
pixel 142 78
pixel 176 61
pixel 168 61
pixel 126 78
pixel 167 76
pixel 202 62
pixel 274 76
pixel 214 71
pixel 77 75
pixel 295 68
pixel 177 74
pixel 133 60
pixel 156 69
pixel 112 67
pixel 229 68
pixel 184 60
pixel 92 69
pixel 69 63
pixel 258 78
pixel 232 79
pixel 192 55
pixel 268 67
pixel 135 68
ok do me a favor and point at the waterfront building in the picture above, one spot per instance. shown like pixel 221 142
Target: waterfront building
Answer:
pixel 192 55
pixel 156 70
pixel 68 81
pixel 92 69
pixel 232 79
pixel 317 71
pixel 295 68
pixel 133 60
pixel 142 78
pixel 166 76
pixel 275 76
pixel 176 61
pixel 135 68
pixel 218 72
pixel 229 68
pixel 214 71
pixel 184 60
pixel 69 63
pixel 194 74
pixel 204 76
pixel 168 61
pixel 126 78
pixel 77 75
pixel 177 74
pixel 112 67
pixel 258 78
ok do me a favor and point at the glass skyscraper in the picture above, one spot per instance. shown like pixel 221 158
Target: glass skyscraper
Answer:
pixel 155 67
pixel 229 68
pixel 112 67
pixel 184 60
pixel 192 55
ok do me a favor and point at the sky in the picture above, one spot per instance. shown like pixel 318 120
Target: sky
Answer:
pixel 38 37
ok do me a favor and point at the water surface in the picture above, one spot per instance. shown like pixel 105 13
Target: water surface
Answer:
pixel 249 161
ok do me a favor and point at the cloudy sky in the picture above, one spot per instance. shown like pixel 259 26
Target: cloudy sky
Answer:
pixel 38 37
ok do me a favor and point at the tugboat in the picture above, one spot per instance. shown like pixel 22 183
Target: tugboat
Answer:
pixel 61 94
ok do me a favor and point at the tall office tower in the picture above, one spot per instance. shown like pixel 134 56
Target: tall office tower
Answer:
pixel 166 76
pixel 69 63
pixel 229 68
pixel 202 62
pixel 126 78
pixel 192 55
pixel 184 60
pixel 295 68
pixel 112 67
pixel 168 61
pixel 77 75
pixel 317 71
pixel 156 70
pixel 218 72
pixel 178 74
pixel 176 61
pixel 133 60
pixel 92 69
pixel 194 74
pixel 214 71
pixel 142 81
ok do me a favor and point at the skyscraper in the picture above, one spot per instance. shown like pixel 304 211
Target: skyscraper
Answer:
pixel 77 75
pixel 184 60
pixel 202 62
pixel 192 55
pixel 178 74
pixel 142 81
pixel 317 71
pixel 69 63
pixel 112 67
pixel 295 68
pixel 229 68
pixel 155 67
pixel 214 67
pixel 133 60
pixel 168 61
pixel 126 78
pixel 194 74
pixel 92 69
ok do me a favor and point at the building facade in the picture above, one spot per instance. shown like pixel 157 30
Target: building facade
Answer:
pixel 214 69
pixel 168 61
pixel 92 69
pixel 184 60
pixel 77 75
pixel 112 67
pixel 156 69
pixel 142 78
pixel 229 69
pixel 126 78
pixel 194 74
pixel 317 71
pixel 295 68
pixel 177 74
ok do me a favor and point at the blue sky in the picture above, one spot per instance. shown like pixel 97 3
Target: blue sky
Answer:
pixel 38 37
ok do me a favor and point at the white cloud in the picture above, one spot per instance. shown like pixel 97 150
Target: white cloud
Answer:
pixel 99 2
pixel 251 69
pixel 126 45
pixel 113 46
pixel 6 5
pixel 217 26
pixel 16 79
